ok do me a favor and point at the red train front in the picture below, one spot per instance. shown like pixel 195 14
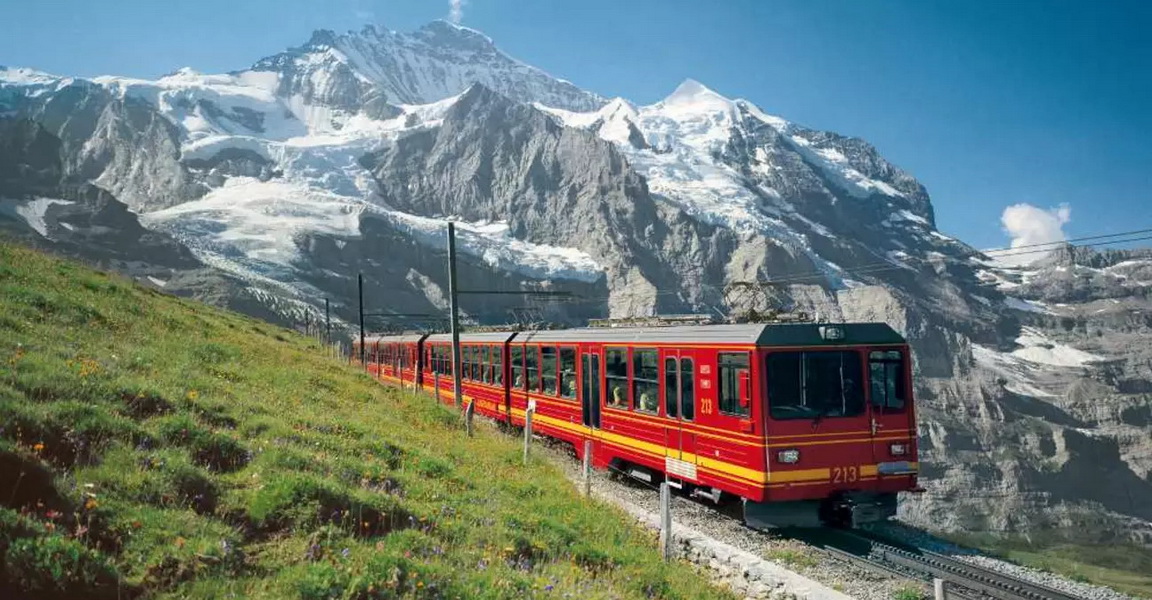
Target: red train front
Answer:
pixel 807 423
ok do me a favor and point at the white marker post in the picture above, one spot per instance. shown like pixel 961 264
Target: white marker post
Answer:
pixel 666 520
pixel 588 468
pixel 528 428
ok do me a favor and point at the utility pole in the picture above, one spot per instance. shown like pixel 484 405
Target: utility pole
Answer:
pixel 360 287
pixel 457 393
pixel 327 323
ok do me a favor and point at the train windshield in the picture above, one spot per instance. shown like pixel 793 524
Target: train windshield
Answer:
pixel 815 385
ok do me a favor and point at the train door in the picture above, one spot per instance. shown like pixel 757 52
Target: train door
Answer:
pixel 889 402
pixel 679 393
pixel 590 387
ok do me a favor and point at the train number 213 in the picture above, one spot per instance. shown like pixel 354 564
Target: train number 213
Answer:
pixel 845 474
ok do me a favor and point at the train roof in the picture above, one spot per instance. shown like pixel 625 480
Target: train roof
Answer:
pixel 497 337
pixel 771 334
pixel 409 337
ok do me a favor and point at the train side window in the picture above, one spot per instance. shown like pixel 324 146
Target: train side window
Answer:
pixel 471 371
pixel 886 372
pixel 616 372
pixel 687 389
pixel 568 372
pixel 498 365
pixel 532 374
pixel 517 357
pixel 465 359
pixel 671 388
pixel 731 365
pixel 486 364
pixel 645 381
pixel 477 363
pixel 548 369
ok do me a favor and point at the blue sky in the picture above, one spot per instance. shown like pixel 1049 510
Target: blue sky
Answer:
pixel 988 103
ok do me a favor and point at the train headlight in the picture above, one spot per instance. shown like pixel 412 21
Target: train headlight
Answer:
pixel 789 456
pixel 898 449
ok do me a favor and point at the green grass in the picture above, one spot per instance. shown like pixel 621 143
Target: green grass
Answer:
pixel 155 447
pixel 1123 567
pixel 796 557
pixel 909 592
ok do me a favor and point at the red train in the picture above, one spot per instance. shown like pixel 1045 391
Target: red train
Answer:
pixel 807 423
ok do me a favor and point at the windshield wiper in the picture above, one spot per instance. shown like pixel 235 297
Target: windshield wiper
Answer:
pixel 824 412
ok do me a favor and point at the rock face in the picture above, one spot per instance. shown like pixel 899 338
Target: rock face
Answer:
pixel 346 155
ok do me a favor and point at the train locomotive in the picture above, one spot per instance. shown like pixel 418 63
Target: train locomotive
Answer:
pixel 808 424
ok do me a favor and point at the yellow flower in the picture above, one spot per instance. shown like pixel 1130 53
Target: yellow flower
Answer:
pixel 90 503
pixel 193 394
pixel 179 542
pixel 38 447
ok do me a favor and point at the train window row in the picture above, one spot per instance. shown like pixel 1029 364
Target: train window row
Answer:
pixel 631 376
pixel 547 370
pixel 391 355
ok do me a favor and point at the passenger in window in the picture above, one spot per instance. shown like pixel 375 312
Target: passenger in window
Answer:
pixel 647 402
pixel 618 396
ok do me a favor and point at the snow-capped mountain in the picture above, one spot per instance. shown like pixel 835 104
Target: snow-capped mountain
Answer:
pixel 347 155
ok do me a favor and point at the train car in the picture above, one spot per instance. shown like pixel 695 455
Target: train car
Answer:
pixel 806 423
pixel 394 359
pixel 483 366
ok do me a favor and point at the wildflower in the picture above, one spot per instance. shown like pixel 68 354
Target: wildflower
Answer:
pixel 179 542
pixel 90 504
pixel 548 588
pixel 137 524
pixel 346 553
pixel 193 394
pixel 38 447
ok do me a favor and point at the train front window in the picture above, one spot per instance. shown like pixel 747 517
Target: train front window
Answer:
pixel 886 373
pixel 815 385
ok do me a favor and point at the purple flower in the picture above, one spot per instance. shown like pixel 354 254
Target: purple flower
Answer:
pixel 346 553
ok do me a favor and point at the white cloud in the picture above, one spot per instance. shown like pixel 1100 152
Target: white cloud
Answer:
pixel 456 10
pixel 1029 225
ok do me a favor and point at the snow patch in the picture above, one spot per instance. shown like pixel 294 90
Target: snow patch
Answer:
pixel 31 212
pixel 1037 348
pixel 1026 305
pixel 1013 370
pixel 24 76
pixel 492 242
pixel 834 164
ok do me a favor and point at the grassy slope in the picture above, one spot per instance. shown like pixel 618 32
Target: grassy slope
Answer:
pixel 155 446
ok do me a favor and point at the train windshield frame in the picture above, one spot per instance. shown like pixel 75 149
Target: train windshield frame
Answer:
pixel 815 384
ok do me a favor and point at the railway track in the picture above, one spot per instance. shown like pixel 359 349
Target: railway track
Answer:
pixel 897 559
